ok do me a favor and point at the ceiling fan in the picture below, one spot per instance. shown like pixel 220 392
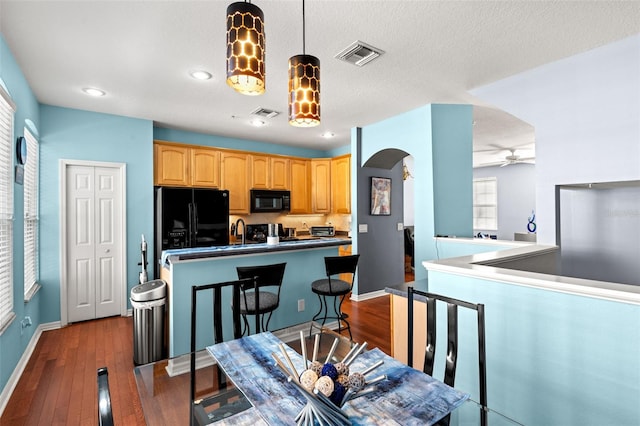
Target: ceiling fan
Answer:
pixel 515 159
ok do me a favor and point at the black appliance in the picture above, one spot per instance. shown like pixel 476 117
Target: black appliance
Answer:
pixel 267 201
pixel 190 217
pixel 257 233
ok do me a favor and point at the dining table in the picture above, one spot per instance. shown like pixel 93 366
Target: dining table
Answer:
pixel 399 395
pixel 240 383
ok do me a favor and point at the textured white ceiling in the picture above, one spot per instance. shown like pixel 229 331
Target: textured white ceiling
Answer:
pixel 140 53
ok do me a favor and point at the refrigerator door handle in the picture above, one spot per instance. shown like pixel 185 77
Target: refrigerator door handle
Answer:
pixel 192 225
pixel 195 225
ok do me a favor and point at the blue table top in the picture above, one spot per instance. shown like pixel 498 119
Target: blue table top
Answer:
pixel 407 397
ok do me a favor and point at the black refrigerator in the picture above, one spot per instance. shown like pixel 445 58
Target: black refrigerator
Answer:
pixel 189 217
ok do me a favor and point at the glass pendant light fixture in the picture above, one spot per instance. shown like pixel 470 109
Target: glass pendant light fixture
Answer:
pixel 245 48
pixel 304 87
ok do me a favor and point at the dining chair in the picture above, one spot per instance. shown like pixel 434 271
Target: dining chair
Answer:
pixel 266 299
pixel 336 287
pixel 105 416
pixel 452 342
pixel 201 409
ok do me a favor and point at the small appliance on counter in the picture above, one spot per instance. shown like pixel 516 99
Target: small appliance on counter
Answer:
pixel 258 233
pixel 323 231
pixel 273 237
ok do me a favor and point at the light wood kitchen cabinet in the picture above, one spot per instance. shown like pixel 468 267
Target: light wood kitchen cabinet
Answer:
pixel 270 172
pixel 341 184
pixel 259 171
pixel 205 167
pixel 280 173
pixel 300 186
pixel 171 165
pixel 234 176
pixel 176 165
pixel 321 185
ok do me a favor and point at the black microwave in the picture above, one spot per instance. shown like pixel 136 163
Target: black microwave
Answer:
pixel 266 201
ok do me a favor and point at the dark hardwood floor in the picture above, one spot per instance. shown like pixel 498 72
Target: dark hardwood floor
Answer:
pixel 59 384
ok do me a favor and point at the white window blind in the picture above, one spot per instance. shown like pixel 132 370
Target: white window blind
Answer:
pixel 31 214
pixel 485 204
pixel 6 209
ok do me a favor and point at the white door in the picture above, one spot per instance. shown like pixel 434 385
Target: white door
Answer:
pixel 94 243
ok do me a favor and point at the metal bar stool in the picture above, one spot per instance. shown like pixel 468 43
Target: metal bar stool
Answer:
pixel 336 288
pixel 260 302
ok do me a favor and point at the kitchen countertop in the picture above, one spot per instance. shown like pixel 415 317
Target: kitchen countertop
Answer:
pixel 179 255
pixel 403 289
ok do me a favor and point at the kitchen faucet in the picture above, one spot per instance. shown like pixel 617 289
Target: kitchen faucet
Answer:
pixel 244 229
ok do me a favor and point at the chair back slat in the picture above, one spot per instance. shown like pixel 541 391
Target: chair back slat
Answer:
pixel 451 361
pixel 430 351
pixel 452 344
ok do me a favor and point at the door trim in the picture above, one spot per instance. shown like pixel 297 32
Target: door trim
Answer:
pixel 122 168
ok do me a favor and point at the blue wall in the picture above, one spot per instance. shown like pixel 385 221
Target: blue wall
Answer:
pixel 552 358
pixel 81 135
pixel 12 342
pixel 439 137
pixel 241 144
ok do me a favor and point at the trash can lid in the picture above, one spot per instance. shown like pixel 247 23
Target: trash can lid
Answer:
pixel 151 290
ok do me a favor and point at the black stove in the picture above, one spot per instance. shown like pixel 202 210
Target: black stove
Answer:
pixel 257 233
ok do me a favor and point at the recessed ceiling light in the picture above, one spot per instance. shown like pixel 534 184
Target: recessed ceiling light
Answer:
pixel 257 123
pixel 92 91
pixel 201 75
pixel 328 135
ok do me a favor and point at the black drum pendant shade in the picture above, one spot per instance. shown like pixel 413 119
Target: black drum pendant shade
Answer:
pixel 304 91
pixel 245 48
pixel 304 86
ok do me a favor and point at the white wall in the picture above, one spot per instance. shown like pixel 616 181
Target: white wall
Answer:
pixel 516 197
pixel 586 114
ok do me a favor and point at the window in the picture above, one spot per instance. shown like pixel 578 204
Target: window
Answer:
pixel 31 215
pixel 485 204
pixel 6 209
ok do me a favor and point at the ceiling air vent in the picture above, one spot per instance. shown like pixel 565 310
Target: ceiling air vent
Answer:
pixel 263 112
pixel 359 53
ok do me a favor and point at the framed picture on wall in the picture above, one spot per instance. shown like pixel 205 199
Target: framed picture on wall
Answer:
pixel 380 196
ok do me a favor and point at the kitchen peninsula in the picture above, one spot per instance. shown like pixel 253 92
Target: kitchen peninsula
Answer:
pixel 184 268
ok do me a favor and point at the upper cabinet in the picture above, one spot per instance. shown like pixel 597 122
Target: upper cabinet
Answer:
pixel 321 185
pixel 177 165
pixel 280 173
pixel 259 171
pixel 300 186
pixel 234 176
pixel 205 167
pixel 341 184
pixel 171 165
pixel 270 172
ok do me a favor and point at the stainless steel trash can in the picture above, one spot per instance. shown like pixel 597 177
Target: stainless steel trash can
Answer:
pixel 148 301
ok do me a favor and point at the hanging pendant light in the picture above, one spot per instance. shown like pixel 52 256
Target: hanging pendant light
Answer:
pixel 304 87
pixel 245 48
